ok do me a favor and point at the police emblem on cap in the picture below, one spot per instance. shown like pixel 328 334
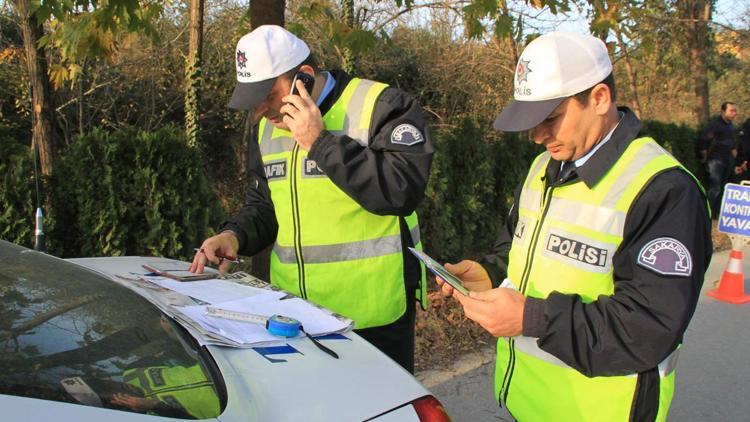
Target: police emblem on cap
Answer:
pixel 666 256
pixel 522 71
pixel 241 59
pixel 406 134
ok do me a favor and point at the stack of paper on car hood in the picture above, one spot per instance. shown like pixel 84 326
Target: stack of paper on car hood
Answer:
pixel 186 302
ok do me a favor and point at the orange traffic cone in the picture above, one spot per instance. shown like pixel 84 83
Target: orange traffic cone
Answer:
pixel 732 284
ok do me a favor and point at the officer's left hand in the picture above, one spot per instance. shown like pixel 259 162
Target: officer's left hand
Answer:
pixel 499 311
pixel 472 275
pixel 302 116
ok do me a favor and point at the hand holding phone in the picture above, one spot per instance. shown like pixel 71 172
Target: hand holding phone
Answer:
pixel 307 80
pixel 302 115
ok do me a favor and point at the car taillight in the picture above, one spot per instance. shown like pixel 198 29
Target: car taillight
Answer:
pixel 429 409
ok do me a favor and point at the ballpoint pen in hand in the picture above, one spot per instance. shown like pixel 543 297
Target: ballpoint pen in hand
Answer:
pixel 221 257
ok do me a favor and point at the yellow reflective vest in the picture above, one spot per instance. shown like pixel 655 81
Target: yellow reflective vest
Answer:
pixel 564 241
pixel 329 249
pixel 179 387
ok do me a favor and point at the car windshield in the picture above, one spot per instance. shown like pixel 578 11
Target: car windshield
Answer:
pixel 71 335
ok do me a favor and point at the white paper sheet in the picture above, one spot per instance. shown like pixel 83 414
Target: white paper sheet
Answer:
pixel 314 320
pixel 214 291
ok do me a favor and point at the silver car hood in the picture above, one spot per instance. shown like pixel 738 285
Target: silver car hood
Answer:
pixel 295 380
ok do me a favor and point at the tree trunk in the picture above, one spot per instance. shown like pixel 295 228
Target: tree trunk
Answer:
pixel 263 12
pixel 42 111
pixel 267 12
pixel 193 73
pixel 697 14
pixel 635 103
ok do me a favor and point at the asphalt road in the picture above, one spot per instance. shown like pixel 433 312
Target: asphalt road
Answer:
pixel 711 378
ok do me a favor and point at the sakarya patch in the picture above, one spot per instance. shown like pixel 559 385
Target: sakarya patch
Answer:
pixel 666 256
pixel 406 134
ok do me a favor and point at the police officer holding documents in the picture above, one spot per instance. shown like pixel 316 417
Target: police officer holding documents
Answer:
pixel 338 168
pixel 598 268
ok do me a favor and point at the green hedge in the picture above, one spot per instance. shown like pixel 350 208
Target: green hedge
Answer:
pixel 16 190
pixel 677 139
pixel 470 190
pixel 131 193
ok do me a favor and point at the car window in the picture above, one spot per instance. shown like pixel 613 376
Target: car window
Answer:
pixel 71 335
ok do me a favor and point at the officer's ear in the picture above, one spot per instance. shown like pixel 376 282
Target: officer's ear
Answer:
pixel 601 98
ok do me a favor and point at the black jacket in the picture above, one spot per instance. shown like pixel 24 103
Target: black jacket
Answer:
pixel 385 178
pixel 718 139
pixel 644 320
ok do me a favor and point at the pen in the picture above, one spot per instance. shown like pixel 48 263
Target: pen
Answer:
pixel 221 257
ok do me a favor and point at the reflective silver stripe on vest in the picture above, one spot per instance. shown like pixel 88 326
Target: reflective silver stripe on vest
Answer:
pixel 278 145
pixel 354 114
pixel 528 346
pixel 643 156
pixel 342 251
pixel 598 218
pixel 540 165
pixel 668 365
pixel 415 236
pixel 531 200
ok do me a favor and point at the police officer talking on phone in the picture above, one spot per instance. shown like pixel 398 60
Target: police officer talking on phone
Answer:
pixel 599 266
pixel 338 168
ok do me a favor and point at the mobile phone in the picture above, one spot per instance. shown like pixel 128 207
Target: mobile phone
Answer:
pixel 439 271
pixel 307 80
pixel 178 271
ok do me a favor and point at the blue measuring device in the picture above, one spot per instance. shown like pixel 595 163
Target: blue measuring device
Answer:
pixel 282 326
pixel 278 325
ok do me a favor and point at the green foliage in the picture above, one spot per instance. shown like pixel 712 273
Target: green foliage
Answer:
pixel 131 192
pixel 479 13
pixel 343 37
pixel 16 190
pixel 89 29
pixel 471 189
pixel 679 140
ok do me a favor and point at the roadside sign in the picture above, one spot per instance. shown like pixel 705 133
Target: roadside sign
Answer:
pixel 734 217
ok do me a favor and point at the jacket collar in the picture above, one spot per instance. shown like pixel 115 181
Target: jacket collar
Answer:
pixel 342 80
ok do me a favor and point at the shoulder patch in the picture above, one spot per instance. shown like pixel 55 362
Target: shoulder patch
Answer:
pixel 406 134
pixel 666 256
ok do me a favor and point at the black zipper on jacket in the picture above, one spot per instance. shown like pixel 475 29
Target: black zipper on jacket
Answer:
pixel 296 223
pixel 522 288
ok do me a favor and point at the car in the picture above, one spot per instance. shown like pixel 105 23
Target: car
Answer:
pixel 79 346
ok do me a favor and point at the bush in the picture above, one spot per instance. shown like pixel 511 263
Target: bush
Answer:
pixel 16 191
pixel 677 139
pixel 131 193
pixel 471 188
